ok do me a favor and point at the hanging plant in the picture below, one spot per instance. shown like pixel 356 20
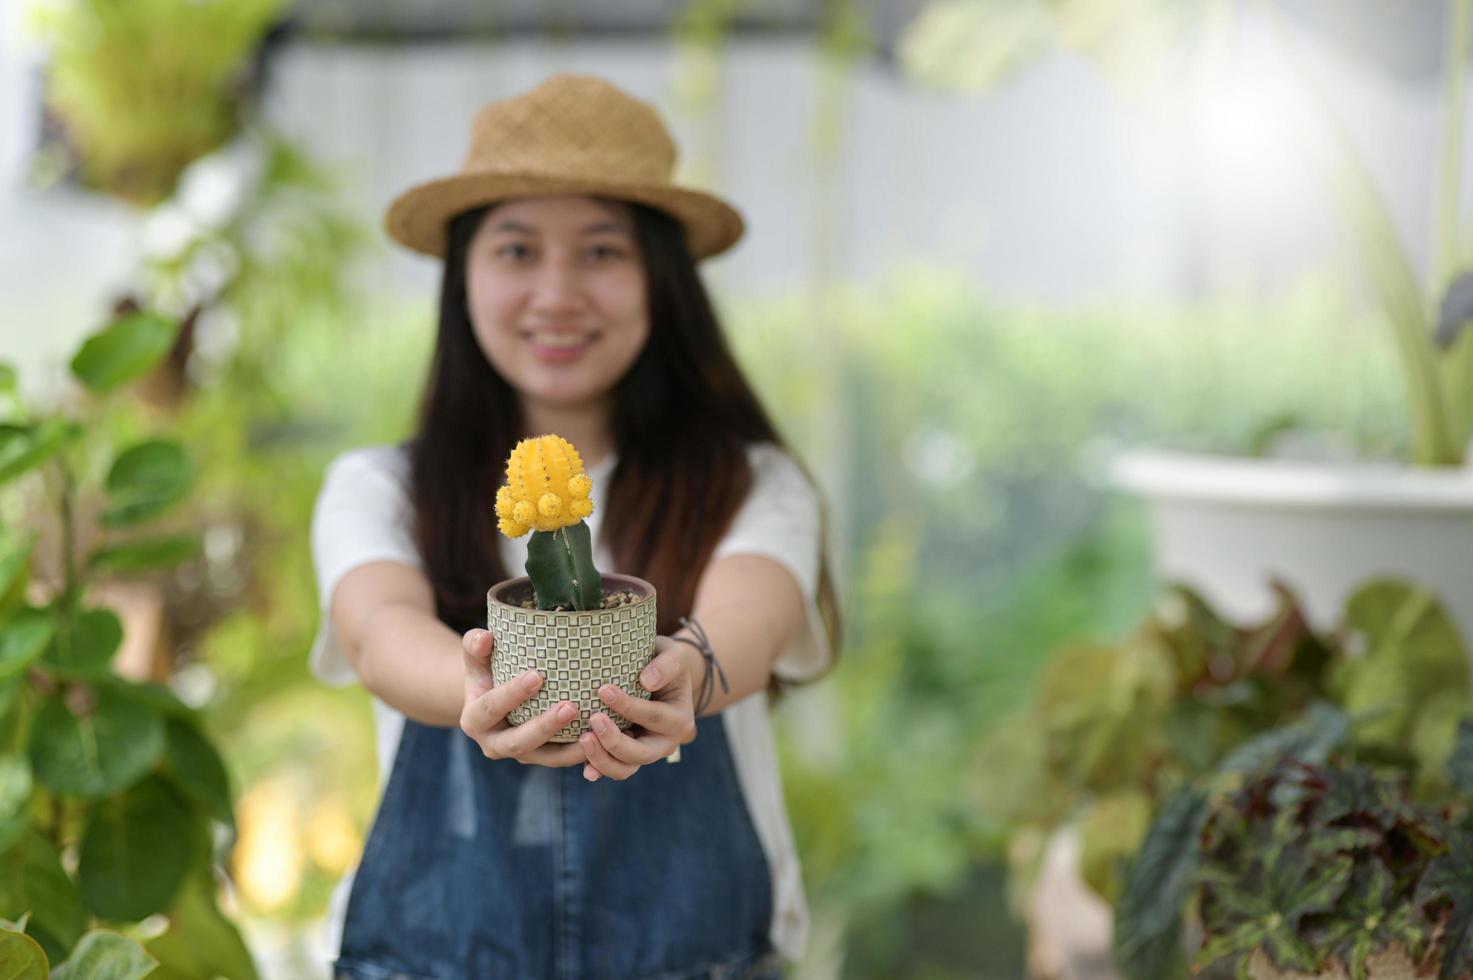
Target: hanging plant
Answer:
pixel 142 88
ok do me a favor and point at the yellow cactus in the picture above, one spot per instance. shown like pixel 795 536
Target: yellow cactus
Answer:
pixel 545 487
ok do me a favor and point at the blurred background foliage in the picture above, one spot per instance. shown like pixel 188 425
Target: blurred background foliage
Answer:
pixel 979 541
pixel 956 434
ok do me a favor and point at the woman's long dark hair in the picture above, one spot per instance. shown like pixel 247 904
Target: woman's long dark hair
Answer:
pixel 683 417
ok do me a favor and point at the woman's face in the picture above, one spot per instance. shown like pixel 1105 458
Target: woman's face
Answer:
pixel 555 288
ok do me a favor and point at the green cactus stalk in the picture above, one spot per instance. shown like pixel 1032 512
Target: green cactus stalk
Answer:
pixel 547 493
pixel 560 564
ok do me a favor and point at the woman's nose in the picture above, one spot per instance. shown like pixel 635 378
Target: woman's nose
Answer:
pixel 558 287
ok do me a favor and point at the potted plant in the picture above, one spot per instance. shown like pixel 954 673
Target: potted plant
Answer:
pixel 1113 731
pixel 143 89
pixel 578 628
pixel 112 795
pixel 1228 525
pixel 1306 857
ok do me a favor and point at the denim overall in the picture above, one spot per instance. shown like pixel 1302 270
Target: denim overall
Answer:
pixel 489 869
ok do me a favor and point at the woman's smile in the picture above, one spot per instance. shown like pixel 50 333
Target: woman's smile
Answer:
pixel 560 348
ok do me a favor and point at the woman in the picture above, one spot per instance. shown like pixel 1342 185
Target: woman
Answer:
pixel 570 303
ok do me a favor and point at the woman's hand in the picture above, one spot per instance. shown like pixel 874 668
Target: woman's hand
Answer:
pixel 662 724
pixel 486 706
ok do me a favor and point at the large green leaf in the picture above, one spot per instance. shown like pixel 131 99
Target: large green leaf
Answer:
pixel 15 797
pixel 1147 941
pixel 155 696
pixel 1411 624
pixel 201 941
pixel 32 880
pixel 21 957
pixel 84 649
pixel 98 751
pixel 198 769
pixel 1395 280
pixel 145 480
pixel 128 349
pixel 134 853
pixel 24 447
pixel 133 556
pixel 1095 707
pixel 22 640
pixel 15 559
pixel 103 955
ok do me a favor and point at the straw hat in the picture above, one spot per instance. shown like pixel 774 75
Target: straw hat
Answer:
pixel 573 134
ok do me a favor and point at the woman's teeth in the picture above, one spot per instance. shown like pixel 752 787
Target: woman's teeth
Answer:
pixel 546 341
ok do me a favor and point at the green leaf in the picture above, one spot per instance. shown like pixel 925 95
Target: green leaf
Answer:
pixel 32 880
pixel 198 769
pixel 14 564
pixel 128 349
pixel 154 696
pixel 1309 740
pixel 132 855
pixel 135 556
pixel 98 751
pixel 24 447
pixel 1451 877
pixel 1400 296
pixel 971 45
pixel 1289 951
pixel 9 694
pixel 103 955
pixel 1095 706
pixel 21 957
pixel 8 378
pixel 145 480
pixel 85 650
pixel 1410 625
pixel 1460 764
pixel 1148 915
pixel 201 941
pixel 1313 890
pixel 15 798
pixel 1110 830
pixel 1242 939
pixel 22 641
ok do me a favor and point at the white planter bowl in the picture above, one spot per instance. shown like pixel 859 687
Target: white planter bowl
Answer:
pixel 1228 526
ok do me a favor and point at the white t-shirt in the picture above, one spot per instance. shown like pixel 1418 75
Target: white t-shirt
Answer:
pixel 363 514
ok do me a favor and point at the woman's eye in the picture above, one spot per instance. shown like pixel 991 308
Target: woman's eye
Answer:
pixel 606 252
pixel 513 250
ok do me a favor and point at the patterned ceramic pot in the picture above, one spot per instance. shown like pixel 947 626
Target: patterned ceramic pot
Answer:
pixel 576 652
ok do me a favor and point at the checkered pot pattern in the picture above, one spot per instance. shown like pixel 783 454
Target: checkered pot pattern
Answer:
pixel 576 652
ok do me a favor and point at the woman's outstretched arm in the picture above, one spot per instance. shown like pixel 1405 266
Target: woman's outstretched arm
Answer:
pixel 383 614
pixel 751 608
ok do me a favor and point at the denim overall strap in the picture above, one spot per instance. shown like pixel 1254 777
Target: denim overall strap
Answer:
pixel 478 868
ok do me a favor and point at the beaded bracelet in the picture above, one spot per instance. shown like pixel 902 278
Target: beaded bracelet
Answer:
pixel 714 669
